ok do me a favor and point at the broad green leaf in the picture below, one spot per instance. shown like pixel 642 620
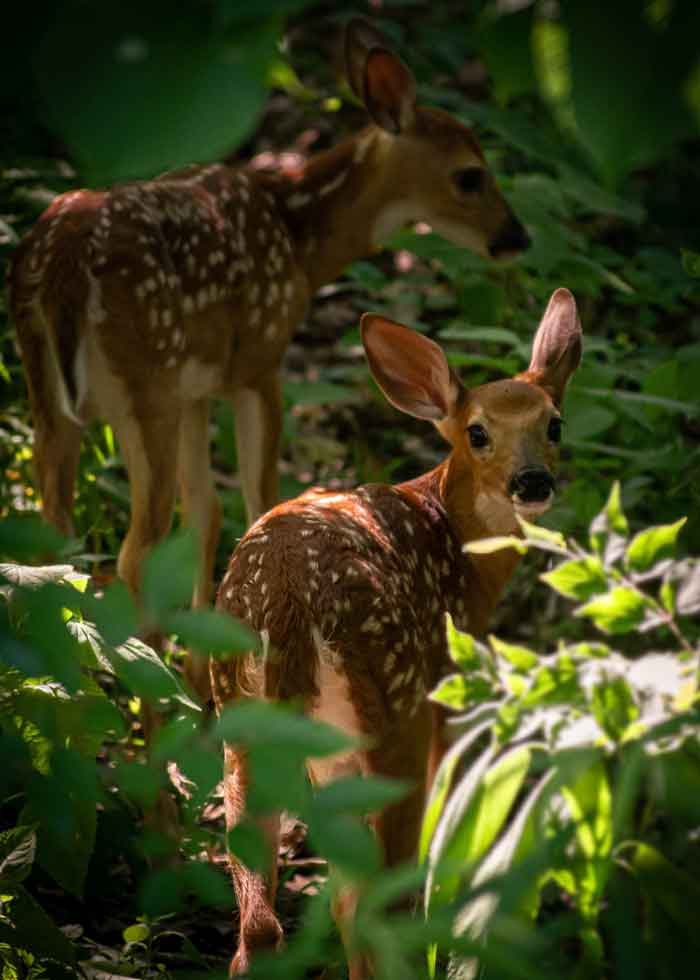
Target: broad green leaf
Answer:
pixel 165 891
pixel 17 851
pixel 613 707
pixel 520 657
pixel 169 573
pixel 35 930
pixel 355 794
pixel 649 546
pixel 610 519
pixel 138 933
pixel 114 613
pixel 445 856
pixel 691 262
pixel 618 611
pixel 247 841
pixel 208 631
pixel 555 681
pixel 260 723
pixel 28 537
pixel 347 842
pixel 590 802
pixel 162 81
pixel 672 887
pixel 488 546
pixel 459 691
pixel 579 578
pixel 63 805
pixel 516 844
pixel 542 535
pixel 462 647
pixel 139 667
pixel 441 784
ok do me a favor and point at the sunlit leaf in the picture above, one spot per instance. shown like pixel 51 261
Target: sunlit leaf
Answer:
pixel 651 545
pixel 258 723
pixel 614 707
pixel 169 574
pixel 212 632
pixel 618 611
pixel 520 657
pixel 488 546
pixel 579 578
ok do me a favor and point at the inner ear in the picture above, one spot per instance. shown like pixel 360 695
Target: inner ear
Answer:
pixel 556 349
pixel 389 91
pixel 411 370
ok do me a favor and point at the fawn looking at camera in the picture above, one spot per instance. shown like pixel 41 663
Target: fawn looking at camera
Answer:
pixel 349 591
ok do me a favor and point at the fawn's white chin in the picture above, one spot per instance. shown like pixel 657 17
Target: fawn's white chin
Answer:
pixel 529 510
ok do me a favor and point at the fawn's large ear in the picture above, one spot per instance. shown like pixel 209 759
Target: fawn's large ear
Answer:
pixel 411 370
pixel 556 350
pixel 378 77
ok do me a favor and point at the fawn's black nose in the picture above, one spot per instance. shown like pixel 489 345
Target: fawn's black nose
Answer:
pixel 531 484
pixel 511 240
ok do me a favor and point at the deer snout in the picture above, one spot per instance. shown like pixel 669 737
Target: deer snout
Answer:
pixel 511 240
pixel 531 489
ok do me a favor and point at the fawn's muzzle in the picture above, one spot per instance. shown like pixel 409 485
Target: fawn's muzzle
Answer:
pixel 511 240
pixel 531 485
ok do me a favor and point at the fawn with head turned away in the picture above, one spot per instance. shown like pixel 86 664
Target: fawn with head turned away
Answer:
pixel 349 590
pixel 139 304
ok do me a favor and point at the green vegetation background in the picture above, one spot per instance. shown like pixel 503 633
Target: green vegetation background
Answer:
pixel 588 113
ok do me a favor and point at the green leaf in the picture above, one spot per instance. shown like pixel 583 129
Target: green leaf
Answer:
pixel 28 537
pixel 114 613
pixel 651 545
pixel 445 859
pixel 169 574
pixel 208 631
pixel 359 795
pixel 556 681
pixel 441 784
pixel 673 888
pixel 17 850
pixel 347 842
pixel 259 723
pixel 589 801
pixel 462 648
pixel 513 846
pixel 618 611
pixel 487 546
pixel 458 691
pixel 162 81
pixel 63 805
pixel 145 674
pixel 610 519
pixel 579 578
pixel 138 933
pixel 542 535
pixel 613 706
pixel 35 931
pixel 520 657
pixel 691 262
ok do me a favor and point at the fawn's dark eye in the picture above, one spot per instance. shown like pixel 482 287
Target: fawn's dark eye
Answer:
pixel 470 180
pixel 478 436
pixel 554 430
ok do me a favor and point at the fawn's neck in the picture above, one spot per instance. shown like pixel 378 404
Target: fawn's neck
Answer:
pixel 449 488
pixel 341 203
